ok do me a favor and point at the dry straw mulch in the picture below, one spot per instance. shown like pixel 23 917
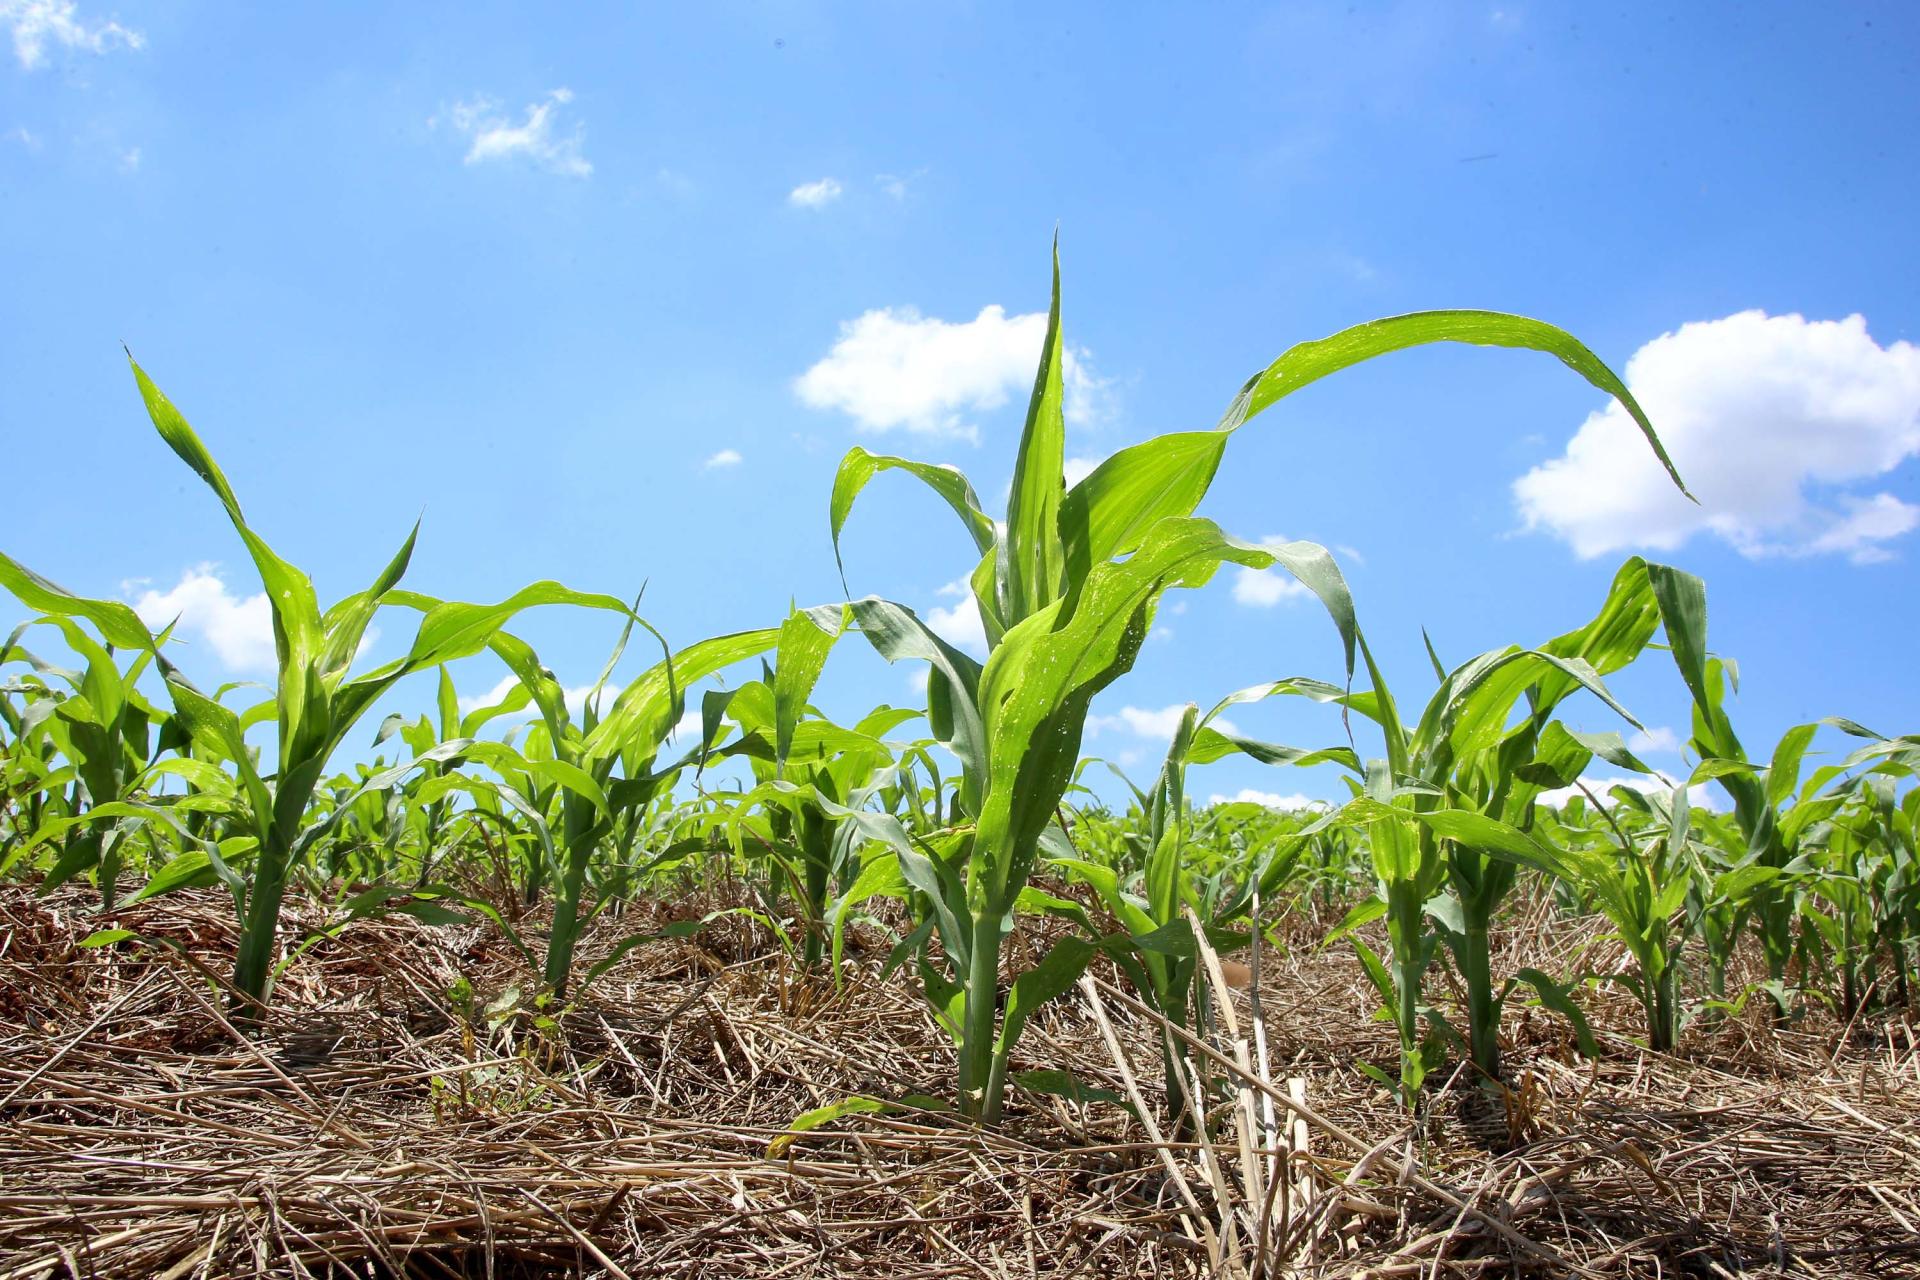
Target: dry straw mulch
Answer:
pixel 380 1128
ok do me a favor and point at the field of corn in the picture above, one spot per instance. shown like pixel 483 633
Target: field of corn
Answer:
pixel 287 992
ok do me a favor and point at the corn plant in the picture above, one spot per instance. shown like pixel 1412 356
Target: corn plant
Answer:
pixel 1066 594
pixel 809 774
pixel 1862 899
pixel 1773 809
pixel 1157 889
pixel 1644 890
pixel 110 734
pixel 584 758
pixel 1449 810
pixel 317 700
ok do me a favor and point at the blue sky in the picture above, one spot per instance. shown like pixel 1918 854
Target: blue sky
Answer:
pixel 607 292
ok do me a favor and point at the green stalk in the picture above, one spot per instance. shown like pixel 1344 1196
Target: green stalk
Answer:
pixel 978 1098
pixel 253 965
pixel 1405 925
pixel 816 843
pixel 577 825
pixel 1483 1011
pixel 1663 1012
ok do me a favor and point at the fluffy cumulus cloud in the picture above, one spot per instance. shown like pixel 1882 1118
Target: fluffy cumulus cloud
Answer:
pixel 1783 427
pixel 724 458
pixel 37 24
pixel 1265 588
pixel 815 195
pixel 895 369
pixel 1290 803
pixel 959 623
pixel 238 629
pixel 539 137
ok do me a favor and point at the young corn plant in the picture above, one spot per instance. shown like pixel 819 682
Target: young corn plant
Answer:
pixel 583 758
pixel 1449 812
pixel 1066 591
pixel 317 699
pixel 1157 898
pixel 1862 901
pixel 1773 809
pixel 807 773
pixel 1644 888
pixel 110 735
pixel 1885 823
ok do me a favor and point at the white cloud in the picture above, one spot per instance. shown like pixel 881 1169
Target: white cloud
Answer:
pixel 37 23
pixel 1265 588
pixel 130 160
pixel 22 135
pixel 959 625
pixel 1700 797
pixel 1154 723
pixel 238 629
pixel 894 368
pixel 815 195
pixel 1867 522
pixel 1655 741
pixel 1078 469
pixel 537 138
pixel 724 458
pixel 1766 417
pixel 1291 803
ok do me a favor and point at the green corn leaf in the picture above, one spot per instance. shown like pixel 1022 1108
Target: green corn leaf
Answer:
pixel 949 483
pixel 1054 976
pixel 1032 561
pixel 808 1121
pixel 1308 362
pixel 117 622
pixel 806 638
pixel 1552 995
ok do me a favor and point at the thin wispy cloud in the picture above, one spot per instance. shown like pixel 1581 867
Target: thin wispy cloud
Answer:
pixel 37 25
pixel 897 186
pixel 1155 724
pixel 724 458
pixel 540 137
pixel 815 195
pixel 1658 740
